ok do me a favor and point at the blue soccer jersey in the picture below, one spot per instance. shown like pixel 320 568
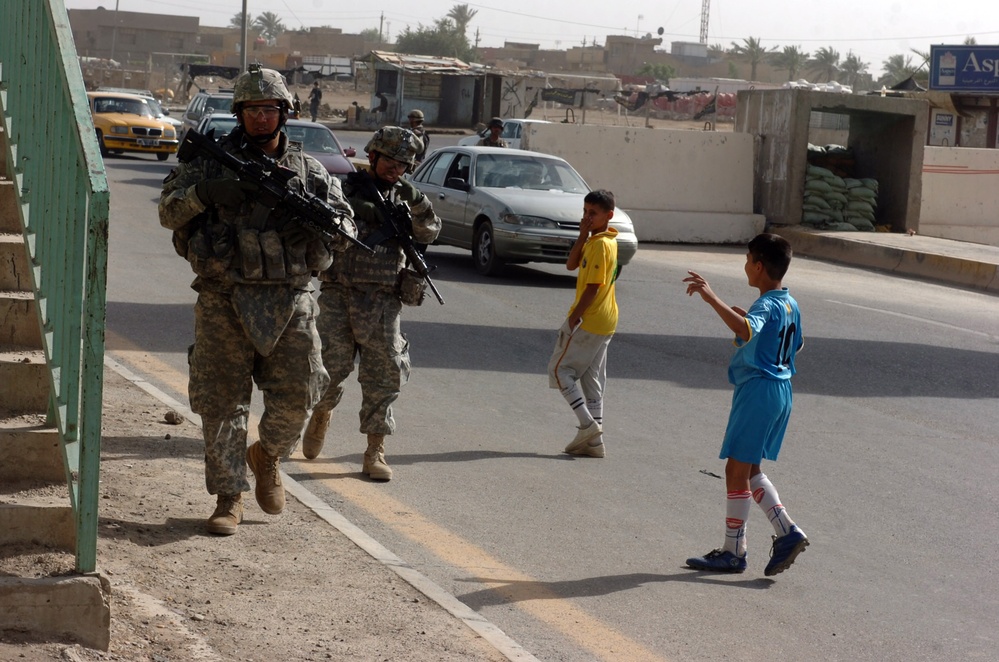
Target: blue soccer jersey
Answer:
pixel 774 338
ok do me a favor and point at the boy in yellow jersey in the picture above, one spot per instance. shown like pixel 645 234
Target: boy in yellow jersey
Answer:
pixel 578 367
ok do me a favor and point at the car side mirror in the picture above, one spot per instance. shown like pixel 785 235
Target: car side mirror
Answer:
pixel 457 183
pixel 350 151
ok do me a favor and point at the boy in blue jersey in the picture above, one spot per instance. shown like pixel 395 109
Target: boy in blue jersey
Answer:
pixel 768 336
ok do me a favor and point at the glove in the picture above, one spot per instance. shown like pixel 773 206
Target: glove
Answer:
pixel 225 192
pixel 297 234
pixel 410 194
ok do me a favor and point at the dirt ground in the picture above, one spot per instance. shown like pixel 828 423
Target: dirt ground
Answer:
pixel 289 587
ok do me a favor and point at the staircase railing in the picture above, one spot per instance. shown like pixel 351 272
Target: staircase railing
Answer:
pixel 63 201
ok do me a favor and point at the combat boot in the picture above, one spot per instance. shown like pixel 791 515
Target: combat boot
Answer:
pixel 227 516
pixel 374 459
pixel 267 471
pixel 315 434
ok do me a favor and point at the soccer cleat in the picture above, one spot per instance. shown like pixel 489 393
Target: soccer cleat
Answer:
pixel 718 561
pixel 590 449
pixel 785 550
pixel 583 435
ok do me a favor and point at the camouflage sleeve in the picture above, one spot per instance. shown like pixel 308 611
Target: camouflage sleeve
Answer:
pixel 426 224
pixel 178 202
pixel 328 188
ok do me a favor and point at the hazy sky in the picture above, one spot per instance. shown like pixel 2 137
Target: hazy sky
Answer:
pixel 872 29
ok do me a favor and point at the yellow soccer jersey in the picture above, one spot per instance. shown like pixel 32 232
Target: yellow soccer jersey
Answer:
pixel 599 265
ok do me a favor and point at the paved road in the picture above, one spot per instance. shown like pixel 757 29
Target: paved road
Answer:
pixel 889 466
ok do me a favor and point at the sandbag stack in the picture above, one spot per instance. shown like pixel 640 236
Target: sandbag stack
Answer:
pixel 834 202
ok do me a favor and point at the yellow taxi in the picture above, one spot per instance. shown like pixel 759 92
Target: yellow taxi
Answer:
pixel 126 123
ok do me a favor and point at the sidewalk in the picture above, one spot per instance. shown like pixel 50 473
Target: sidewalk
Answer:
pixel 952 262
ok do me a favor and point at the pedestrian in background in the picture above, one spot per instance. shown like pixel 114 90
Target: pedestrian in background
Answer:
pixel 254 320
pixel 578 366
pixel 416 126
pixel 315 98
pixel 767 338
pixel 362 298
pixel 493 138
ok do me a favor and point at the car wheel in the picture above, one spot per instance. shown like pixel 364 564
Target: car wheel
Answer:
pixel 100 143
pixel 162 156
pixel 484 251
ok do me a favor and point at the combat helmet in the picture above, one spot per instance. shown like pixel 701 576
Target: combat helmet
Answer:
pixel 259 84
pixel 396 143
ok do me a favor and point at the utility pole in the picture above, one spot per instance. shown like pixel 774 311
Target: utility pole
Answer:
pixel 114 30
pixel 381 24
pixel 243 49
pixel 476 38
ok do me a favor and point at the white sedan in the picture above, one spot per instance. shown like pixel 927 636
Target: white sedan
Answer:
pixel 510 206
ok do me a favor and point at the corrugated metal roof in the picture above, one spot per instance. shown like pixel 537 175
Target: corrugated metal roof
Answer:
pixel 426 64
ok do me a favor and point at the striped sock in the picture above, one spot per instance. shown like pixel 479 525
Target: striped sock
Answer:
pixel 766 497
pixel 737 508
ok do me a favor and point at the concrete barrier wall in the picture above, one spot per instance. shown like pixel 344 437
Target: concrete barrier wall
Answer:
pixel 678 186
pixel 959 194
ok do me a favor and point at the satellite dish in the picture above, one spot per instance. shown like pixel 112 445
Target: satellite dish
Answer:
pixel 660 32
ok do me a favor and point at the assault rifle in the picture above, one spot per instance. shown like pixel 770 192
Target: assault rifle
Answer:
pixel 272 179
pixel 397 224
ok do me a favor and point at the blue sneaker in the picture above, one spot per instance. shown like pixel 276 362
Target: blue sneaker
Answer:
pixel 718 561
pixel 785 550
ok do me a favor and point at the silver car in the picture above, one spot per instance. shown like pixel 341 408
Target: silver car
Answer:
pixel 510 206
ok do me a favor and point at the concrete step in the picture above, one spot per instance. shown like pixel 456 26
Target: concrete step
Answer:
pixel 10 219
pixel 24 380
pixel 30 450
pixel 75 608
pixel 43 519
pixel 19 325
pixel 15 273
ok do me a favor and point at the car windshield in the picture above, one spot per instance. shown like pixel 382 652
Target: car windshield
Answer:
pixel 155 107
pixel 527 172
pixel 313 139
pixel 222 124
pixel 122 105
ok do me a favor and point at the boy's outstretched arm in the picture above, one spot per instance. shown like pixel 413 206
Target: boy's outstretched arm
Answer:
pixel 733 319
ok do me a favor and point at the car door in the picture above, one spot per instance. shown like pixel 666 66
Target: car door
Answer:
pixel 430 179
pixel 511 134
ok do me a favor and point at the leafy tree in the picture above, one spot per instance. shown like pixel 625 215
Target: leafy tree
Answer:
pixel 733 71
pixel 371 34
pixel 715 51
pixel 970 41
pixel 237 21
pixel 852 68
pixel 659 71
pixel 825 63
pixel 269 24
pixel 753 50
pixel 792 59
pixel 442 40
pixel 462 15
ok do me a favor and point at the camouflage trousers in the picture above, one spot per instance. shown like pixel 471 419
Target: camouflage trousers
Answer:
pixel 224 364
pixel 364 321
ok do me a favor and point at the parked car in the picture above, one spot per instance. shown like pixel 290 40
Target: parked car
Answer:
pixel 510 206
pixel 159 112
pixel 317 140
pixel 512 131
pixel 125 123
pixel 204 103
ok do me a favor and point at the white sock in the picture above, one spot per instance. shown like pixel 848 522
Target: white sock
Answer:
pixel 596 409
pixel 574 396
pixel 737 507
pixel 765 495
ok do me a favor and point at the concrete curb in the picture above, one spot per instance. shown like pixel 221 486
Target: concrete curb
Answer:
pixel 970 270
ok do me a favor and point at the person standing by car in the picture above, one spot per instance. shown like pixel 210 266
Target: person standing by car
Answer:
pixel 416 126
pixel 362 297
pixel 493 139
pixel 315 97
pixel 578 367
pixel 255 315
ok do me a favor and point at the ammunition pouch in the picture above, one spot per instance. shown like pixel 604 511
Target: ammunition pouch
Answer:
pixel 411 288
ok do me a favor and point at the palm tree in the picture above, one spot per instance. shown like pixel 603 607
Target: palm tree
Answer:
pixel 825 63
pixel 269 24
pixel 970 41
pixel 793 59
pixel 852 67
pixel 753 50
pixel 462 15
pixel 897 68
pixel 237 20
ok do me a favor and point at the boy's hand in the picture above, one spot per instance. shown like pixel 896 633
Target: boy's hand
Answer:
pixel 584 225
pixel 696 284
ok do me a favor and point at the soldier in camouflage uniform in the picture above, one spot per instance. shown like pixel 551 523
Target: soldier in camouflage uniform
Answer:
pixel 362 297
pixel 255 315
